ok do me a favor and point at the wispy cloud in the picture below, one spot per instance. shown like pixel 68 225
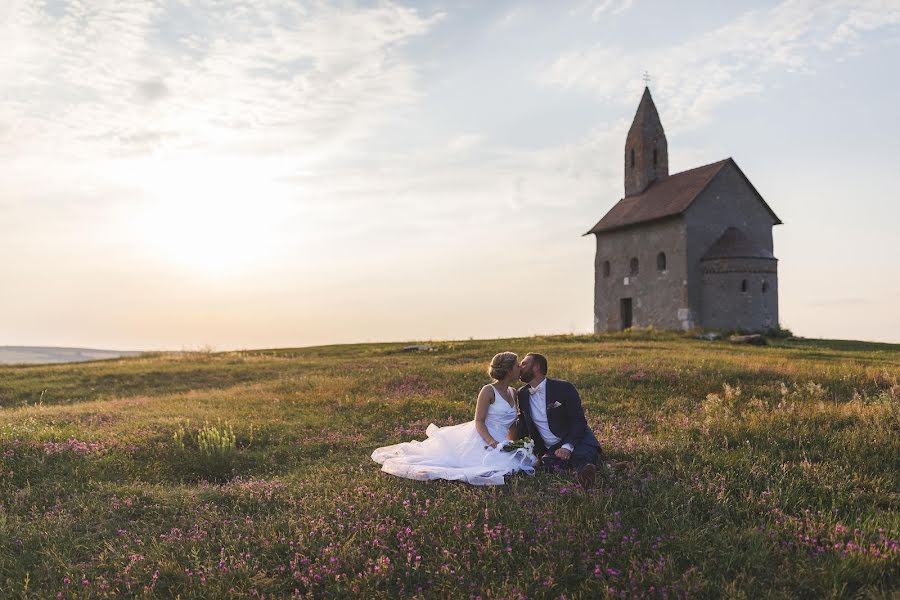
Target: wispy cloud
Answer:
pixel 700 74
pixel 89 78
pixel 598 9
pixel 610 6
pixel 161 119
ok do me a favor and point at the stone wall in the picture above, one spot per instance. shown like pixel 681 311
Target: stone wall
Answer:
pixel 728 201
pixel 643 143
pixel 659 298
pixel 728 305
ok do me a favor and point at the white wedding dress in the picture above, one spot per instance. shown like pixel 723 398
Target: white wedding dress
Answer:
pixel 457 452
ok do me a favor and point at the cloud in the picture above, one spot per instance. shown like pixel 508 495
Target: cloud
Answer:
pixel 187 112
pixel 464 141
pixel 702 73
pixel 597 9
pixel 569 175
pixel 610 6
pixel 140 142
pixel 862 18
pixel 455 199
pixel 151 90
pixel 248 75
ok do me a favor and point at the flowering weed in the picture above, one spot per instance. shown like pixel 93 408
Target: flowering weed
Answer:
pixel 765 472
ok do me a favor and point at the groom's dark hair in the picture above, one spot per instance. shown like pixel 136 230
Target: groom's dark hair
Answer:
pixel 541 361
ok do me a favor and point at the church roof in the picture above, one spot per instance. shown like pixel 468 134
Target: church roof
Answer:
pixel 646 115
pixel 734 243
pixel 666 197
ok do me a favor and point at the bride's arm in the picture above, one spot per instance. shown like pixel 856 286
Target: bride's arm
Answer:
pixel 481 410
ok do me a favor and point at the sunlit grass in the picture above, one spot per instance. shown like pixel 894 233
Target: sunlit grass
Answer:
pixel 747 472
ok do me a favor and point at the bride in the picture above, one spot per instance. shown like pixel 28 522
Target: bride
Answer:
pixel 471 452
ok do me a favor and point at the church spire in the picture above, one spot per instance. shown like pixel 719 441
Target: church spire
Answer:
pixel 646 150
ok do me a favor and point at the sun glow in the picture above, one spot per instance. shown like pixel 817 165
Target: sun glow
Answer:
pixel 214 221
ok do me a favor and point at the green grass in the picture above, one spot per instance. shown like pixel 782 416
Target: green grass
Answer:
pixel 750 472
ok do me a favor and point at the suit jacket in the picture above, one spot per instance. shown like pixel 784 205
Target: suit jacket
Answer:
pixel 566 421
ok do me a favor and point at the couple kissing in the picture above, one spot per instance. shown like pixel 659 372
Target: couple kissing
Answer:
pixel 490 446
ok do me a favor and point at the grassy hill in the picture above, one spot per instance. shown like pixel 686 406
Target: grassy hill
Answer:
pixel 749 472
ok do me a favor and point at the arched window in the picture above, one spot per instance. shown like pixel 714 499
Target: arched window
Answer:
pixel 743 285
pixel 661 261
pixel 632 158
pixel 606 268
pixel 654 158
pixel 765 287
pixel 634 266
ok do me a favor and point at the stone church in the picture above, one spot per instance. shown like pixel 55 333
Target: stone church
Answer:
pixel 692 249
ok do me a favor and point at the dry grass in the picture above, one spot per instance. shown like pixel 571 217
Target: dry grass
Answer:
pixel 747 472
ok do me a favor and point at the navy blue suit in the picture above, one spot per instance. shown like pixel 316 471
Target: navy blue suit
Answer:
pixel 566 421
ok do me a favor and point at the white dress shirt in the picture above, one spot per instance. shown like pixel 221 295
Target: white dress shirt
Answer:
pixel 537 406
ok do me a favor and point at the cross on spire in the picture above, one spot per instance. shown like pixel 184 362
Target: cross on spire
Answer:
pixel 646 78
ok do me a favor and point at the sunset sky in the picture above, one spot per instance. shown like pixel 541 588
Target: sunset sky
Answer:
pixel 268 173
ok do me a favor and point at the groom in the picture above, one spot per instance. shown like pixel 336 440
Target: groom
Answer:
pixel 554 419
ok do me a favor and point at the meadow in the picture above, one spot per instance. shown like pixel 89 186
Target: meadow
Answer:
pixel 747 472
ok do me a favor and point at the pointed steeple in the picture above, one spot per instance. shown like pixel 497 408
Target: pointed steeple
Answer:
pixel 646 149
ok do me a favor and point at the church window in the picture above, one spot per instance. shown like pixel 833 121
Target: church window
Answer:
pixel 632 158
pixel 743 285
pixel 654 158
pixel 606 268
pixel 765 287
pixel 634 266
pixel 661 261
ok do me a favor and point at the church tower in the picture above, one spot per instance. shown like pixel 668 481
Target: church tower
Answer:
pixel 646 150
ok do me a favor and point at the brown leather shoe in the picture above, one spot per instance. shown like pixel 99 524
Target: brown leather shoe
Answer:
pixel 586 476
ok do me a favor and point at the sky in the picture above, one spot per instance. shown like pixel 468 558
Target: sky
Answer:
pixel 180 174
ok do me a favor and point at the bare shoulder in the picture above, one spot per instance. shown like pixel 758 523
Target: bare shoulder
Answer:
pixel 487 393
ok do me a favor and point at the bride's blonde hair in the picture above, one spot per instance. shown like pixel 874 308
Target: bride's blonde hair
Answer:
pixel 502 364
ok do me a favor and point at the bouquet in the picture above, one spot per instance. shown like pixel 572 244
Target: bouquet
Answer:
pixel 526 443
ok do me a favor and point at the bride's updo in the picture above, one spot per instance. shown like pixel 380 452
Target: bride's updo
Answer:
pixel 502 364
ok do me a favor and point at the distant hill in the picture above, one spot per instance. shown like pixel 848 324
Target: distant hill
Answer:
pixel 45 354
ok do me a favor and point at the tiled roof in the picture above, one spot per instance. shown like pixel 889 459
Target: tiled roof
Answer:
pixel 734 243
pixel 666 197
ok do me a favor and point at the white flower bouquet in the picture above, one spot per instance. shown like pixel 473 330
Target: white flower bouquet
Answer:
pixel 525 443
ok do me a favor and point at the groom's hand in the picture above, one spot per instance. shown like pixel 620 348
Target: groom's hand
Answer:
pixel 563 453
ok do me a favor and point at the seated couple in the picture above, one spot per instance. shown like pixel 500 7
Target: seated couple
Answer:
pixel 481 452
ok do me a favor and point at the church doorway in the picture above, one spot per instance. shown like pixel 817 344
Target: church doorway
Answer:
pixel 625 311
